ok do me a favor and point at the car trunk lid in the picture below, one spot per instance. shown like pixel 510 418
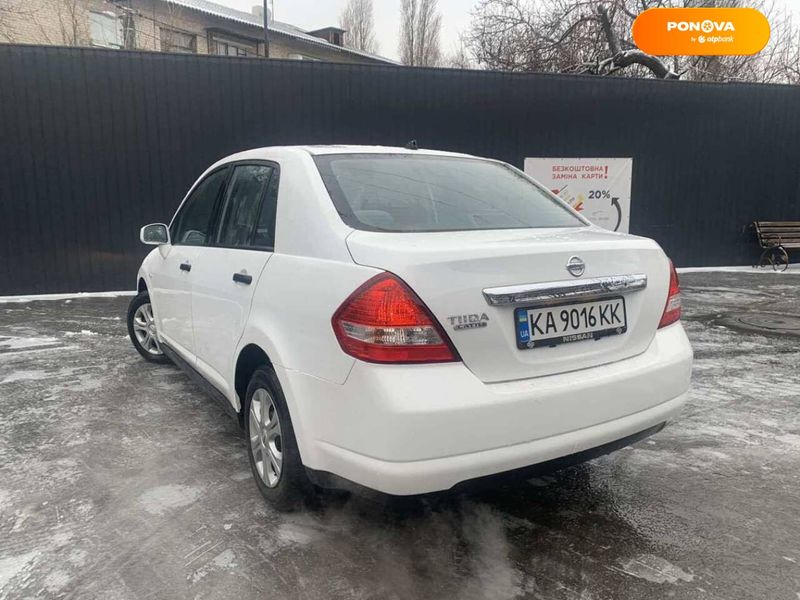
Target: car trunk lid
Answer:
pixel 451 271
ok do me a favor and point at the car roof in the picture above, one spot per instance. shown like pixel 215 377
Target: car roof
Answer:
pixel 356 149
pixel 314 150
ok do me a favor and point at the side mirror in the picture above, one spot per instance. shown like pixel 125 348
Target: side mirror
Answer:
pixel 154 234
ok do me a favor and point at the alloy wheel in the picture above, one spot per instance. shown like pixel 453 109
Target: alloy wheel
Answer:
pixel 144 328
pixel 266 443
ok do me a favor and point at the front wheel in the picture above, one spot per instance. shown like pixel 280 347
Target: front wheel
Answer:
pixel 142 329
pixel 271 444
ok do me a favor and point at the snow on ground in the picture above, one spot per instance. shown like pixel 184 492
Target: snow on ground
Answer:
pixel 119 479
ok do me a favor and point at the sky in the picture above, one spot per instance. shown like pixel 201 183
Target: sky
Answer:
pixel 314 14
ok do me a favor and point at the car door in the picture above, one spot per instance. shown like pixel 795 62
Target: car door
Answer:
pixel 231 266
pixel 171 278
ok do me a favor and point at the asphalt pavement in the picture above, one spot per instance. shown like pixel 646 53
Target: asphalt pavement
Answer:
pixel 120 479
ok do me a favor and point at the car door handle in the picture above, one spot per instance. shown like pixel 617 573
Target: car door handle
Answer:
pixel 242 278
pixel 186 267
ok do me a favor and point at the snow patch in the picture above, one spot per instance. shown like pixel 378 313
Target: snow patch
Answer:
pixel 78 557
pixel 56 580
pixel 11 566
pixel 225 560
pixel 240 475
pixel 792 270
pixel 22 343
pixel 81 332
pixel 709 453
pixel 162 499
pixel 718 430
pixel 655 569
pixel 790 439
pixel 32 375
pixel 34 297
pixel 292 534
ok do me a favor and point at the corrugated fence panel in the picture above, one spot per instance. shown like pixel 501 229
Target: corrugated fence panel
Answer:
pixel 95 143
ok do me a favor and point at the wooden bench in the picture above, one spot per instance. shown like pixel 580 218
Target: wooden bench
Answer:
pixel 777 238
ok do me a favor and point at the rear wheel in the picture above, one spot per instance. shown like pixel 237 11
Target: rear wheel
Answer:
pixel 142 329
pixel 776 257
pixel 271 444
pixel 780 259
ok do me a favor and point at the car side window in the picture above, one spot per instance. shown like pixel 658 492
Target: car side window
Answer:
pixel 265 227
pixel 246 221
pixel 193 222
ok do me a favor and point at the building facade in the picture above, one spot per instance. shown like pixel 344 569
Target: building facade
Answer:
pixel 183 26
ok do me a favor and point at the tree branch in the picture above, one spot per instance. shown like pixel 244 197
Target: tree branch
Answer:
pixel 625 58
pixel 608 30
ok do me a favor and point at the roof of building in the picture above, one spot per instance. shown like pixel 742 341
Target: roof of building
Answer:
pixel 224 12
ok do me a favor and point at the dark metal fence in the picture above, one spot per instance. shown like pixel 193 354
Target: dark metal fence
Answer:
pixel 95 143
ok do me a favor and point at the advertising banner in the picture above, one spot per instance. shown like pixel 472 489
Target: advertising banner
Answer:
pixel 599 188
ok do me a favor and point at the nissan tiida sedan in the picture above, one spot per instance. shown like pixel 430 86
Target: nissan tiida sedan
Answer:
pixel 407 320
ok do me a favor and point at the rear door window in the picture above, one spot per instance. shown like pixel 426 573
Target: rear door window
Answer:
pixel 264 236
pixel 400 192
pixel 248 217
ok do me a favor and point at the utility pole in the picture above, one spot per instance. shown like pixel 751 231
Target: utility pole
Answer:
pixel 266 31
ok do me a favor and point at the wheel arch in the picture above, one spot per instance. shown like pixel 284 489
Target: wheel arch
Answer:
pixel 250 357
pixel 141 286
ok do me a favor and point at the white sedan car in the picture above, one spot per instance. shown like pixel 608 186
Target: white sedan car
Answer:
pixel 408 320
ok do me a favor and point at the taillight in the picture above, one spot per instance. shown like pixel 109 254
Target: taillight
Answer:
pixel 672 310
pixel 384 321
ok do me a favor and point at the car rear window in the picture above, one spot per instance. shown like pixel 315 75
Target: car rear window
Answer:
pixel 400 192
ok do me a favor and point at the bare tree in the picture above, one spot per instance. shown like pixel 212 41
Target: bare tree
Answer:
pixel 356 19
pixel 460 58
pixel 779 62
pixel 420 27
pixel 62 22
pixel 790 60
pixel 10 11
pixel 166 29
pixel 593 36
pixel 71 17
pixel 408 30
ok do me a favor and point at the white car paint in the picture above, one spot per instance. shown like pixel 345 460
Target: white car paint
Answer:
pixel 220 308
pixel 171 289
pixel 471 261
pixel 415 428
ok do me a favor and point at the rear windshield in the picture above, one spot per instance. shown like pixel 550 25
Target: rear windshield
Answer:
pixel 398 192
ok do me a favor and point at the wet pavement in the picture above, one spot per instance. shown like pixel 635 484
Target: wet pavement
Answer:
pixel 119 479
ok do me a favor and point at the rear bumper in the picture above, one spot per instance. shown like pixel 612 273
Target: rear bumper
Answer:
pixel 331 481
pixel 422 428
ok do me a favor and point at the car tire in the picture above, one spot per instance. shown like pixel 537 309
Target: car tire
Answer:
pixel 142 329
pixel 271 442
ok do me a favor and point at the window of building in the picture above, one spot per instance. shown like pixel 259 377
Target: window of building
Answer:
pixel 226 47
pixel 173 40
pixel 105 30
pixel 128 31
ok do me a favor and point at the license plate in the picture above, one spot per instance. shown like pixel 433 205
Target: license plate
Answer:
pixel 573 322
